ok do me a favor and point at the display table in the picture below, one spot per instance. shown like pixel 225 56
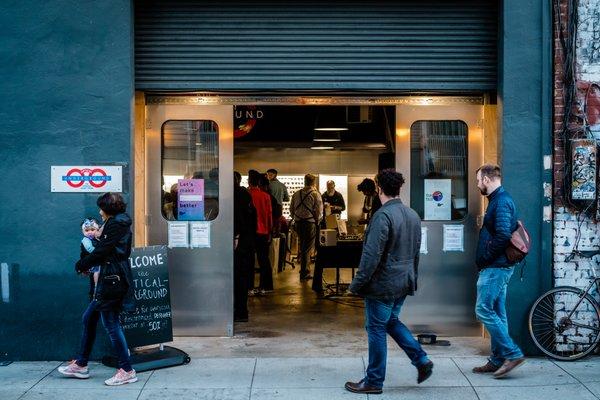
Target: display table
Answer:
pixel 346 254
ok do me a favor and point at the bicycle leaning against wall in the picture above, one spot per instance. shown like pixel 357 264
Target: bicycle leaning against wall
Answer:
pixel 564 322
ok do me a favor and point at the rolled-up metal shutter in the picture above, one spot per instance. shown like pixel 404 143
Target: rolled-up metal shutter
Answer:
pixel 303 45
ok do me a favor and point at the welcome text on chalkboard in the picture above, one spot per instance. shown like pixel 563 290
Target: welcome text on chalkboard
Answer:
pixel 151 322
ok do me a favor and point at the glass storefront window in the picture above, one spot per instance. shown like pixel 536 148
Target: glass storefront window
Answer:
pixel 190 170
pixel 438 173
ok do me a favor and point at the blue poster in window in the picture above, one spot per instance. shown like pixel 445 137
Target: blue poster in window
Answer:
pixel 190 199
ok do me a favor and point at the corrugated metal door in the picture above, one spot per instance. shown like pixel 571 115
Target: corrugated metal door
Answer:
pixel 303 45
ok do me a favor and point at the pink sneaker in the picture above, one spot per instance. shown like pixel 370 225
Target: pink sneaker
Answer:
pixel 74 371
pixel 122 377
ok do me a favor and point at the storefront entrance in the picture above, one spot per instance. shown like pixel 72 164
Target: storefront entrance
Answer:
pixel 439 142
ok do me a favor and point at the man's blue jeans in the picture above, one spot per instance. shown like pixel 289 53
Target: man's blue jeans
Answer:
pixel 381 318
pixel 110 320
pixel 491 311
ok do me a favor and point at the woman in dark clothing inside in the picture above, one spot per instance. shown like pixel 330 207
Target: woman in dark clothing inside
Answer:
pixel 112 293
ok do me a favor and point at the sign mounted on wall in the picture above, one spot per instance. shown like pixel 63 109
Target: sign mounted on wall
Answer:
pixel 86 179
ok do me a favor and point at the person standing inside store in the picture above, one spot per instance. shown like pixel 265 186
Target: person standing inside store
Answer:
pixel 278 188
pixel 264 225
pixel 244 230
pixel 306 210
pixel 333 200
pixel 387 273
pixel 499 222
pixel 111 295
pixel 371 203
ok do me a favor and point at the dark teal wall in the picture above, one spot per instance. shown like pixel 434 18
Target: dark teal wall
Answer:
pixel 67 90
pixel 524 99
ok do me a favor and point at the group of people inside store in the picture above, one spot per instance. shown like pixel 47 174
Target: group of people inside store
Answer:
pixel 258 219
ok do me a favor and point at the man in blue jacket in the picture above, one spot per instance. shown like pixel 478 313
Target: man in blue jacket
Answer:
pixel 495 270
pixel 387 273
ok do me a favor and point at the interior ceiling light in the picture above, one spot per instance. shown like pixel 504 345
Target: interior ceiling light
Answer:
pixel 326 136
pixel 320 146
pixel 331 119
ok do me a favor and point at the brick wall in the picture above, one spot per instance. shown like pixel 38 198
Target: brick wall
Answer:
pixel 566 222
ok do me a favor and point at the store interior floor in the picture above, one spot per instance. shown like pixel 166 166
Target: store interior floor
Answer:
pixel 293 322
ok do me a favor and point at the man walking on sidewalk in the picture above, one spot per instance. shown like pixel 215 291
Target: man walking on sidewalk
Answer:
pixel 386 275
pixel 495 270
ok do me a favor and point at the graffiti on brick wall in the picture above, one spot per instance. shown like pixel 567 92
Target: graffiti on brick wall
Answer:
pixel 593 49
pixel 584 170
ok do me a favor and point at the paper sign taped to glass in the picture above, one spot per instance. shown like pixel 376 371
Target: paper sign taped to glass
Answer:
pixel 583 183
pixel 190 199
pixel 438 199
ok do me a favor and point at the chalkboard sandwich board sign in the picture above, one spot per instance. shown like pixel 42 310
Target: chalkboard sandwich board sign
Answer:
pixel 151 322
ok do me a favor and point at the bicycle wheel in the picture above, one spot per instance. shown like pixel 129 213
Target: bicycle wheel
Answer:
pixel 559 336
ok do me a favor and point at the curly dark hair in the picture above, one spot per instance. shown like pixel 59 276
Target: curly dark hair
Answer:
pixel 112 203
pixel 367 186
pixel 390 182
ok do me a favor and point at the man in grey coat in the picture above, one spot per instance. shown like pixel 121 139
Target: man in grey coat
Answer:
pixel 386 275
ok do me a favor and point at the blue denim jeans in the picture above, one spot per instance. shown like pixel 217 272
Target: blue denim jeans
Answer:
pixel 110 320
pixel 382 318
pixel 491 311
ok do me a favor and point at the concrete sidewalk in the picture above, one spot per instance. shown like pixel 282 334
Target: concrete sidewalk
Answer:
pixel 313 378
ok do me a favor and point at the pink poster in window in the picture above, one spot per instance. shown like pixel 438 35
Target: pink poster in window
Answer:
pixel 190 199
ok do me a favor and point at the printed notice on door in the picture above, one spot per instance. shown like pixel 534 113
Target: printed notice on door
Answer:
pixel 423 240
pixel 178 234
pixel 454 238
pixel 200 234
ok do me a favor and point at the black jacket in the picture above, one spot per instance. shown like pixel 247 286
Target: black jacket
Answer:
pixel 244 219
pixel 389 263
pixel 113 248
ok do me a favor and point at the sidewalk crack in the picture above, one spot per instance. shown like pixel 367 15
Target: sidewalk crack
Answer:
pixel 467 378
pixel 574 377
pixel 252 381
pixel 35 384
pixel 145 383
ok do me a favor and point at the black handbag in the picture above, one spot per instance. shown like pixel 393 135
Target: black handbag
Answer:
pixel 114 286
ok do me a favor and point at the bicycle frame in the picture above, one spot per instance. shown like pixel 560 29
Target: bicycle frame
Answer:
pixel 593 281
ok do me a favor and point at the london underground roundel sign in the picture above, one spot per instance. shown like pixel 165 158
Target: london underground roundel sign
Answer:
pixel 86 179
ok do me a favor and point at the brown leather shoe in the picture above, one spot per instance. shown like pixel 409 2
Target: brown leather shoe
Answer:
pixel 486 369
pixel 508 366
pixel 361 387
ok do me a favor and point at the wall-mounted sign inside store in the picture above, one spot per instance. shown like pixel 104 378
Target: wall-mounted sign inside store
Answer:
pixel 245 117
pixel 84 179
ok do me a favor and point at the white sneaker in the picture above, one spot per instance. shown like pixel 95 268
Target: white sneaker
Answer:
pixel 122 377
pixel 74 371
